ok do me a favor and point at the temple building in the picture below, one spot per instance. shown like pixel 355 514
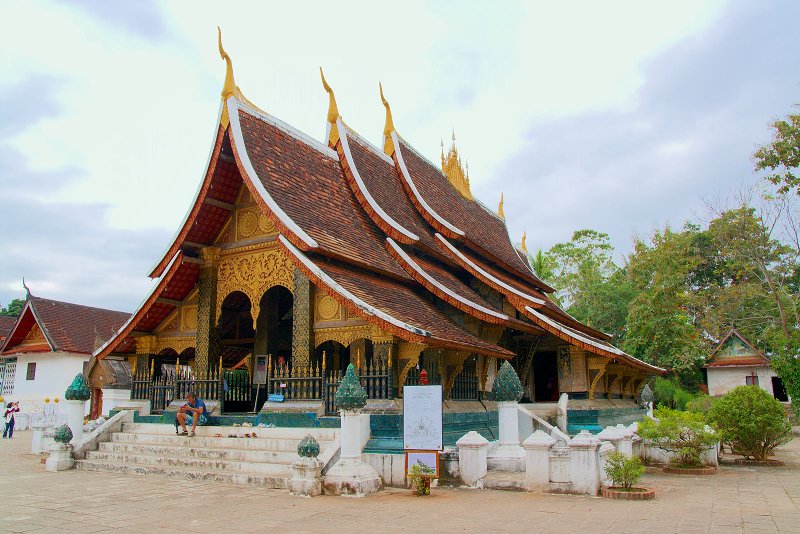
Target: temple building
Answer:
pixel 736 362
pixel 48 344
pixel 298 257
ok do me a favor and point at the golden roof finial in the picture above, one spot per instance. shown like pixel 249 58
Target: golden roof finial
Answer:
pixel 523 246
pixel 229 88
pixel 333 112
pixel 453 168
pixel 388 127
pixel 442 141
pixel 500 210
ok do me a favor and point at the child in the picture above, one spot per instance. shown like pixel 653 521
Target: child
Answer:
pixel 9 419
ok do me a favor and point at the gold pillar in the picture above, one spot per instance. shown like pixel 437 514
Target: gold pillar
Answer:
pixel 302 336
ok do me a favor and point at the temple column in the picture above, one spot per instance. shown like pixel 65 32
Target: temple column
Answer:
pixel 302 336
pixel 206 352
pixel 383 353
pixel 407 357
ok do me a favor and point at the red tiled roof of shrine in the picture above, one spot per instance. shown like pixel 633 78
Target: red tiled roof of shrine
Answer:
pixel 66 327
pixel 6 324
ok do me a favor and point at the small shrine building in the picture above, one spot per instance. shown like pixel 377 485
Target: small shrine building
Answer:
pixel 298 257
pixel 736 362
pixel 48 344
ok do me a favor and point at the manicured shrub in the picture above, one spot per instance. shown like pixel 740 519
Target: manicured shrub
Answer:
pixel 751 421
pixel 624 470
pixel 683 433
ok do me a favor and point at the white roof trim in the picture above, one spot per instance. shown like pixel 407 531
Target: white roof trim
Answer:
pixel 196 194
pixel 417 195
pixel 238 140
pixel 138 308
pixel 572 333
pixel 414 265
pixel 294 132
pixel 491 277
pixel 330 282
pixel 369 146
pixel 361 186
pixel 36 319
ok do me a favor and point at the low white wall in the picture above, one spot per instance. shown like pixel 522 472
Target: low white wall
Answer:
pixel 723 379
pixel 113 398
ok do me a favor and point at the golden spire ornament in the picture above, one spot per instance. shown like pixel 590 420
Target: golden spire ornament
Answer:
pixel 523 246
pixel 388 127
pixel 333 112
pixel 500 212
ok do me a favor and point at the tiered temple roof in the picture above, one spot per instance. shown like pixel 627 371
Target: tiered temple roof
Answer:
pixel 383 231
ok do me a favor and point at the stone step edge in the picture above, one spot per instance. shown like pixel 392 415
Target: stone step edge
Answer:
pixel 171 448
pixel 228 429
pixel 130 468
pixel 322 443
pixel 91 454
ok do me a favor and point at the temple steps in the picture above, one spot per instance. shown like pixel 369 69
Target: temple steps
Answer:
pixel 505 480
pixel 153 449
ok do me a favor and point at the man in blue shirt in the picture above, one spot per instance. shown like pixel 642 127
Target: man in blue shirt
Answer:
pixel 192 413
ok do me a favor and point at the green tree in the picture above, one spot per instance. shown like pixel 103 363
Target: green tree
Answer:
pixel 661 327
pixel 13 309
pixel 781 157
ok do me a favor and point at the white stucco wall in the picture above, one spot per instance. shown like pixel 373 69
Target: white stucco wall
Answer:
pixel 54 373
pixel 723 379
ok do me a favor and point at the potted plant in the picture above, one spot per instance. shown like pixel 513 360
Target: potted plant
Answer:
pixel 683 434
pixel 752 423
pixel 625 471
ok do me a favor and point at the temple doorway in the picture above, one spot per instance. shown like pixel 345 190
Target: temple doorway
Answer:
pixel 237 338
pixel 545 377
pixel 274 326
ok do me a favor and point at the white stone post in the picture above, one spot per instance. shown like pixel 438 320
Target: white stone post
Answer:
pixel 508 456
pixel 472 448
pixel 350 475
pixel 74 410
pixel 351 435
pixel 585 463
pixel 612 435
pixel 561 416
pixel 60 458
pixel 537 460
pixel 626 440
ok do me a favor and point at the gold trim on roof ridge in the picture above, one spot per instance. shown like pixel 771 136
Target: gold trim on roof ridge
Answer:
pixel 500 212
pixel 333 112
pixel 230 89
pixel 388 127
pixel 523 246
pixel 454 170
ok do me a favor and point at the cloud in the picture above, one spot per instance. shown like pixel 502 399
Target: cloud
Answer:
pixel 702 108
pixel 141 18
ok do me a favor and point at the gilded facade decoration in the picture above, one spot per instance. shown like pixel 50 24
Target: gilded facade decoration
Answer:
pixel 451 365
pixel 176 343
pixel 206 310
pixel 171 323
pixel 251 222
pixel 343 334
pixel 253 270
pixel 597 369
pixel 189 318
pixel 301 321
pixel 35 336
pixel 146 345
pixel 327 309
pixel 407 358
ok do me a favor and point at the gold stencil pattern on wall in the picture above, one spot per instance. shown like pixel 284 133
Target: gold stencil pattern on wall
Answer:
pixel 189 318
pixel 327 308
pixel 252 222
pixel 253 273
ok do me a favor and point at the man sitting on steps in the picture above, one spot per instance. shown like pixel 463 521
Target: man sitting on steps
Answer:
pixel 192 413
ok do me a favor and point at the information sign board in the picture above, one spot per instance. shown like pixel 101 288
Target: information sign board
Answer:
pixel 422 417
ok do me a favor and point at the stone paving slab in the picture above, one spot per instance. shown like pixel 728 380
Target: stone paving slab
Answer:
pixel 737 499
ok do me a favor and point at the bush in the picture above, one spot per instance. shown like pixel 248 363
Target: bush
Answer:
pixel 669 394
pixel 683 433
pixel 751 421
pixel 701 404
pixel 623 470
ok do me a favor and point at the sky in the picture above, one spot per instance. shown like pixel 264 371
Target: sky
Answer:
pixel 621 116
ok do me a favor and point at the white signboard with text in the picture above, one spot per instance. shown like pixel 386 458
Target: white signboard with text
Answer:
pixel 422 417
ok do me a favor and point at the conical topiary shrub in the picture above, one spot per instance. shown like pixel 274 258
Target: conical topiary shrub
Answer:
pixel 507 386
pixel 308 447
pixel 78 390
pixel 62 434
pixel 350 395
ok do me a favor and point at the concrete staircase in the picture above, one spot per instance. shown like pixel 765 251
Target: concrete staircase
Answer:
pixel 153 449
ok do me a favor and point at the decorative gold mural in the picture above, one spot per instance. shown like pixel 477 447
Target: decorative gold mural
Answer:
pixel 326 309
pixel 253 270
pixel 251 222
pixel 35 336
pixel 189 318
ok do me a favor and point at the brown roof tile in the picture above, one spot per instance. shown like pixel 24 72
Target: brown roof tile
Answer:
pixel 6 324
pixel 483 229
pixel 311 188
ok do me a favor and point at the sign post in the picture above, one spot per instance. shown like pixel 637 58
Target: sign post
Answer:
pixel 422 431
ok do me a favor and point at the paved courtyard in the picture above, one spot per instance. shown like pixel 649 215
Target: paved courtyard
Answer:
pixel 737 499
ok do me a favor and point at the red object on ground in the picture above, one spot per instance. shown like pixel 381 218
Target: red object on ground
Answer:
pixel 423 378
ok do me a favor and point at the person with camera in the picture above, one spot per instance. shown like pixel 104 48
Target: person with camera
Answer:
pixel 192 413
pixel 11 409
